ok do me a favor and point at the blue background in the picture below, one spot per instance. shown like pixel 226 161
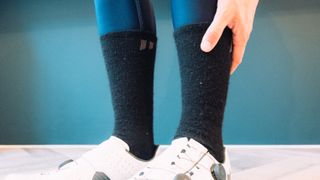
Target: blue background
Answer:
pixel 54 89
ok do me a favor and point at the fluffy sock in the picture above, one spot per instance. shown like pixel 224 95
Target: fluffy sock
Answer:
pixel 130 58
pixel 204 80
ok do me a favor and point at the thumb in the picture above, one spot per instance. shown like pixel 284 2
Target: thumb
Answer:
pixel 214 32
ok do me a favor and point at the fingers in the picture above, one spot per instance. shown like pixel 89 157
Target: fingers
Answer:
pixel 214 32
pixel 238 16
pixel 241 34
pixel 238 50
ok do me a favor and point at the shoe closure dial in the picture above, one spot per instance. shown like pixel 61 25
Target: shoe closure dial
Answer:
pixel 218 172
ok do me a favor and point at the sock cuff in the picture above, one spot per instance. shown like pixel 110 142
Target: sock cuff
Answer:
pixel 201 27
pixel 194 33
pixel 143 40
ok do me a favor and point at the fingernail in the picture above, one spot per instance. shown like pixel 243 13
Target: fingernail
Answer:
pixel 206 46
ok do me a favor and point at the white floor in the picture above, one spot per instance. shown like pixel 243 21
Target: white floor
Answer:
pixel 248 162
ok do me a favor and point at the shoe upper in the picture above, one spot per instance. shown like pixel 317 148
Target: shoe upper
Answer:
pixel 186 159
pixel 110 160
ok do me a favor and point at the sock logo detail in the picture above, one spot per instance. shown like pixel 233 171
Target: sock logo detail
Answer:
pixel 151 45
pixel 145 44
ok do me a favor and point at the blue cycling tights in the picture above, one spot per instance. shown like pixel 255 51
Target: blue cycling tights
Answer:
pixel 126 15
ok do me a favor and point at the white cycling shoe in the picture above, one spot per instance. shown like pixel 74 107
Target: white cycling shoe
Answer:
pixel 110 160
pixel 185 160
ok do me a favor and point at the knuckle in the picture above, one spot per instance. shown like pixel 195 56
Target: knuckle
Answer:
pixel 224 12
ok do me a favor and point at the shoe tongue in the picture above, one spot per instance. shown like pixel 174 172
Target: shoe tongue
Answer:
pixel 193 143
pixel 197 145
pixel 117 141
pixel 111 145
pixel 179 141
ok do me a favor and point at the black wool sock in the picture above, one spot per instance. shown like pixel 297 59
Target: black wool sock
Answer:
pixel 204 80
pixel 130 58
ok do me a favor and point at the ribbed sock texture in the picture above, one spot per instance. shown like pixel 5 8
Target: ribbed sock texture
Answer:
pixel 130 58
pixel 204 80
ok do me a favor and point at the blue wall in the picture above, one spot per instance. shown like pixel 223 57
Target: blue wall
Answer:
pixel 54 89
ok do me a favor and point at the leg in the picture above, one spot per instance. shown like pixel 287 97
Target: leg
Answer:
pixel 124 15
pixel 204 76
pixel 128 37
pixel 188 12
pixel 197 151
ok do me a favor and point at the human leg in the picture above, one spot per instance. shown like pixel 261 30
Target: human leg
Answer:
pixel 128 38
pixel 204 76
pixel 197 152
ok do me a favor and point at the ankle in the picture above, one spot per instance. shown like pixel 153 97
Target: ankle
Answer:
pixel 218 153
pixel 140 146
pixel 144 152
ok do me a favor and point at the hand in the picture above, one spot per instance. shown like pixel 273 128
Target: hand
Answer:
pixel 238 15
